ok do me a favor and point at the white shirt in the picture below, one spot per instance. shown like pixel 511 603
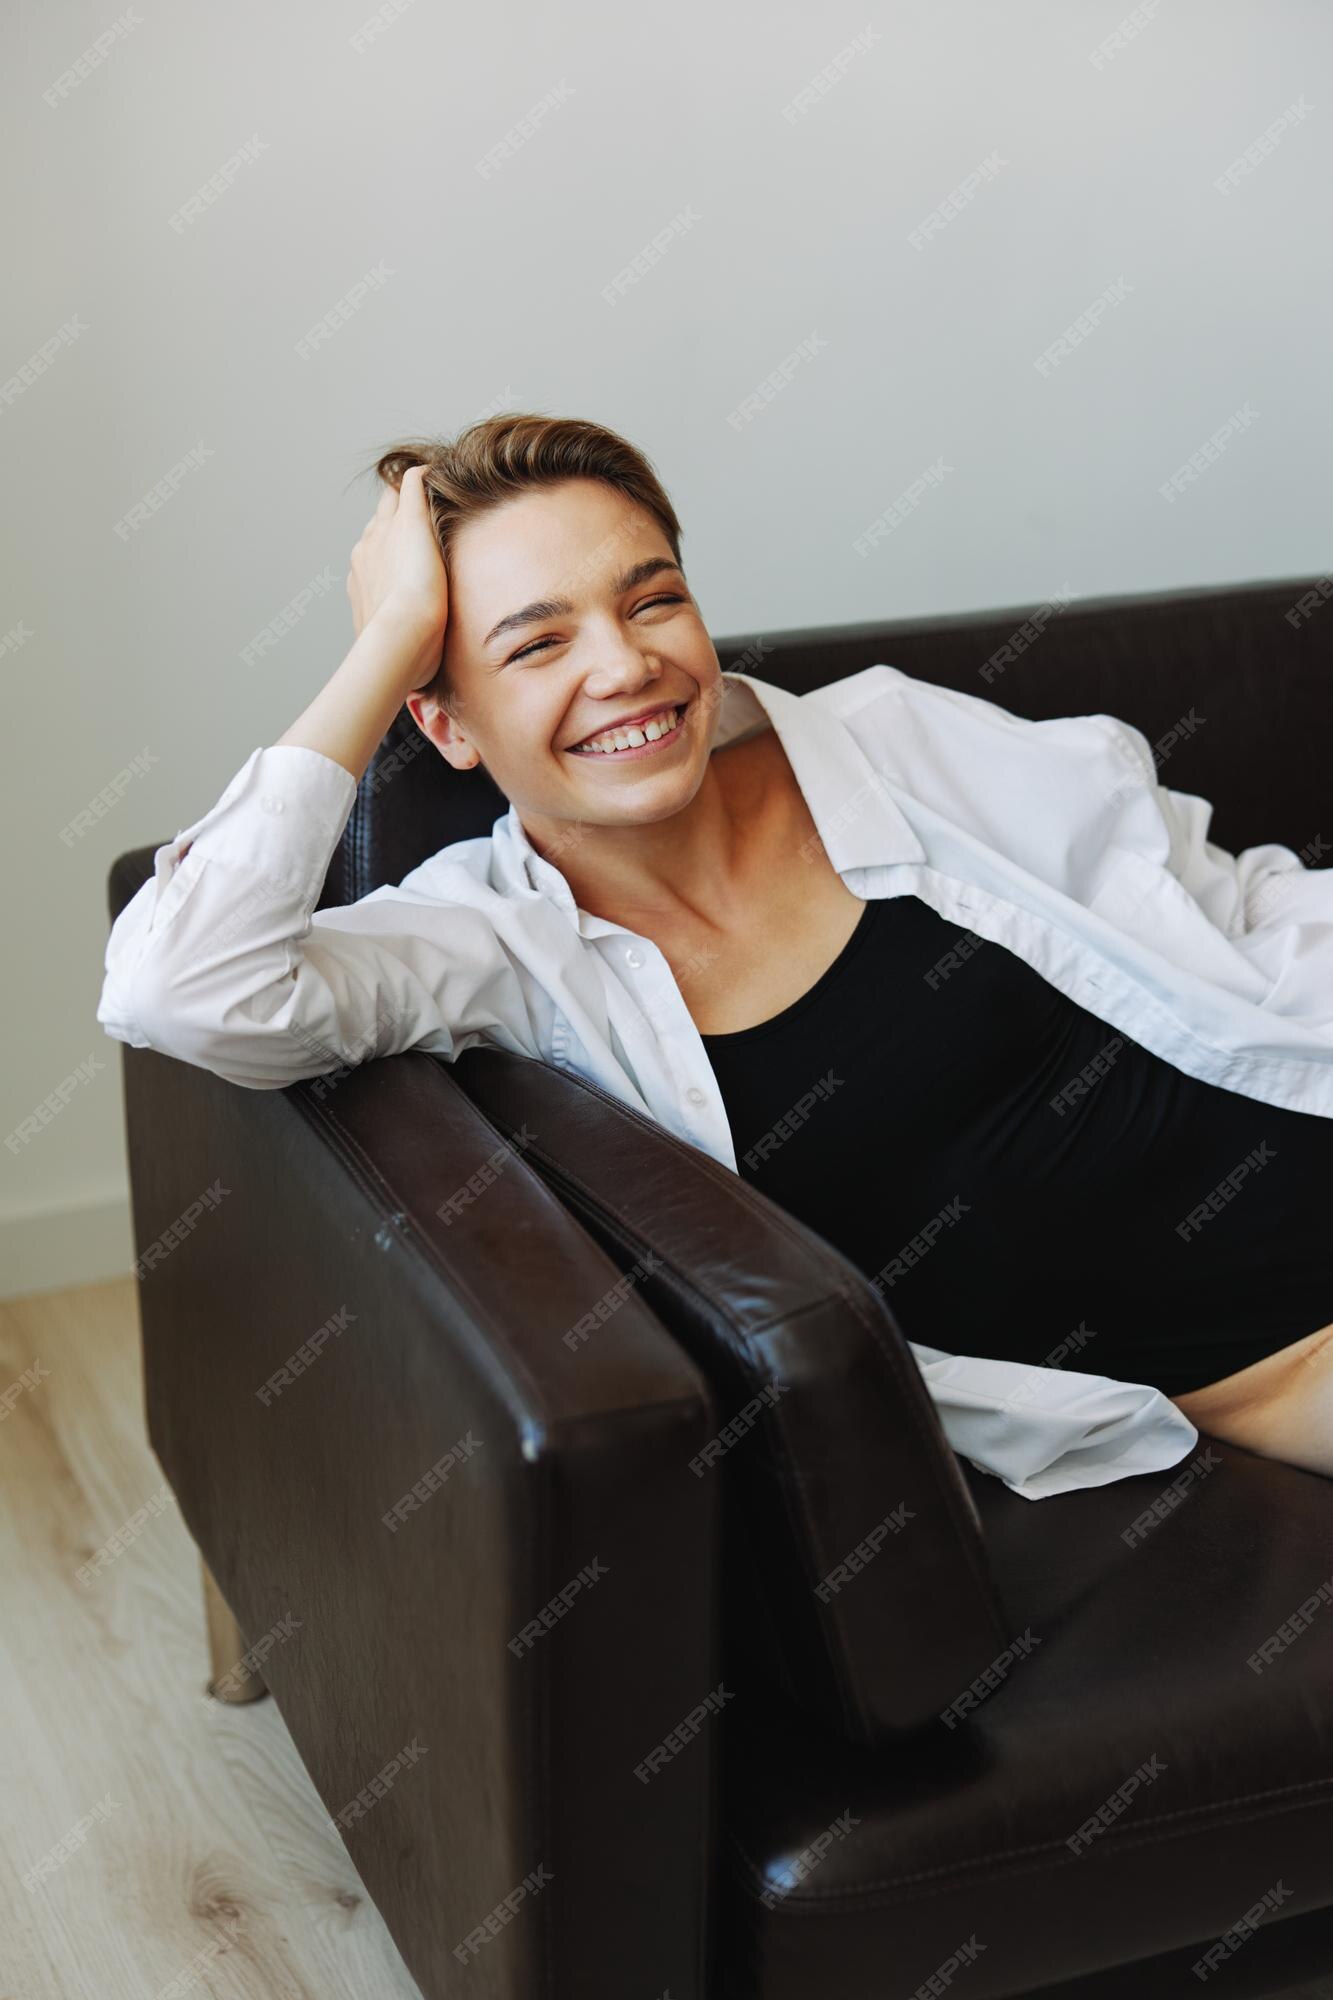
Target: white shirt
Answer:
pixel 1051 838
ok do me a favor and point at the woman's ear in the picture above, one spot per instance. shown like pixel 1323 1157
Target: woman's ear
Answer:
pixel 432 718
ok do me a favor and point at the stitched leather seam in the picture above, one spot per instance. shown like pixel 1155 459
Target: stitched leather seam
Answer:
pixel 420 1242
pixel 949 1876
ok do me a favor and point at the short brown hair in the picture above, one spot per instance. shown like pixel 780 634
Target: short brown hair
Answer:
pixel 499 457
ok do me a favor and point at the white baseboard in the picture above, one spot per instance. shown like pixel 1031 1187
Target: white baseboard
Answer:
pixel 48 1250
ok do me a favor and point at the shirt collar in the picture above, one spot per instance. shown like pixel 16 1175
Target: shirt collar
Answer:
pixel 852 806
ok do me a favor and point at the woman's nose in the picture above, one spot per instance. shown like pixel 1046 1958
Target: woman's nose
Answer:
pixel 622 662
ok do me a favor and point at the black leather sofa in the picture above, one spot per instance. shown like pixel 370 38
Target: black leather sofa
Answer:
pixel 583 1713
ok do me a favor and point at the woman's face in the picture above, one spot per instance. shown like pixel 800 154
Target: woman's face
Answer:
pixel 567 613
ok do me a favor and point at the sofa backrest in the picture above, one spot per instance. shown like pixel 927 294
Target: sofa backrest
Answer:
pixel 1249 662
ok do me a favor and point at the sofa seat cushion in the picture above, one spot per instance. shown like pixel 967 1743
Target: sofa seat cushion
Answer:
pixel 1152 1763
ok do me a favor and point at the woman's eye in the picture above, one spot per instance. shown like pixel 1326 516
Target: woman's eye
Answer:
pixel 540 645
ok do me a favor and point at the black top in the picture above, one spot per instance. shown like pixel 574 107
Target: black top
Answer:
pixel 1020 1179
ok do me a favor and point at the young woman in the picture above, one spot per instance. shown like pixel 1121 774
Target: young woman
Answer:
pixel 521 591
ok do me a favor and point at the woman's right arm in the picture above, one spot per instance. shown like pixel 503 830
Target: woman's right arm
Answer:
pixel 400 607
pixel 219 959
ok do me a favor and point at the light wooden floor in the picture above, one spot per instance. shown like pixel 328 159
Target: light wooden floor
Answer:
pixel 207 1865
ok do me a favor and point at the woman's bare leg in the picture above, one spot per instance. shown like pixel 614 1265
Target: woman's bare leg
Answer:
pixel 1280 1407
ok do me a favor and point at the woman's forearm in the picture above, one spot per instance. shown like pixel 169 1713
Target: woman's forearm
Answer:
pixel 350 715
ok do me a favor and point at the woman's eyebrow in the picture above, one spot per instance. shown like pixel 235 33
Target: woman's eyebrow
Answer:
pixel 555 607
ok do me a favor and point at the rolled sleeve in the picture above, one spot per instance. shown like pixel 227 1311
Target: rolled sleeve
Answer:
pixel 282 815
pixel 220 959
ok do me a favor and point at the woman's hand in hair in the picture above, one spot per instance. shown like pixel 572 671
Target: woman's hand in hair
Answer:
pixel 397 571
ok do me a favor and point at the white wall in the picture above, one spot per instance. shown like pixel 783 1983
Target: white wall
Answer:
pixel 493 297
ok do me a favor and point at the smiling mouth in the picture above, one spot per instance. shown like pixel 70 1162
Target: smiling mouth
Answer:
pixel 633 740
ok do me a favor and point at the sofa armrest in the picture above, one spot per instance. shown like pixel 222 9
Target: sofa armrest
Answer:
pixel 855 1566
pixel 488 1583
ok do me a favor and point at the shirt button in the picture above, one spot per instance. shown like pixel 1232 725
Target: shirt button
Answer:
pixel 694 1094
pixel 269 804
pixel 634 958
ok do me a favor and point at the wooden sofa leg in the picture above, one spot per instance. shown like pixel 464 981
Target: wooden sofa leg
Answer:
pixel 234 1678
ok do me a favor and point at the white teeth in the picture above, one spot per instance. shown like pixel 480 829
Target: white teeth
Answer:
pixel 629 738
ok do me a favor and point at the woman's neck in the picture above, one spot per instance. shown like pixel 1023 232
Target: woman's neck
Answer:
pixel 698 862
